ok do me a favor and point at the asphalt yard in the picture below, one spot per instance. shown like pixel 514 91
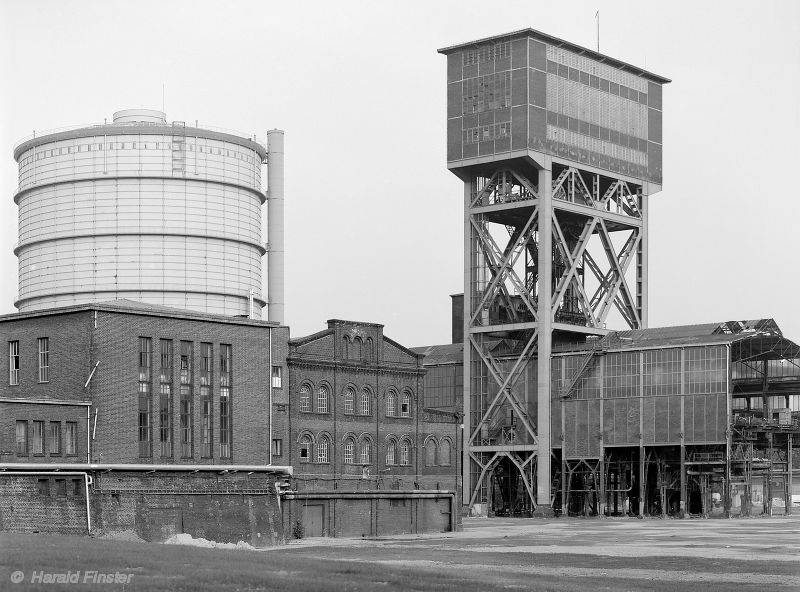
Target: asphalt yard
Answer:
pixel 497 554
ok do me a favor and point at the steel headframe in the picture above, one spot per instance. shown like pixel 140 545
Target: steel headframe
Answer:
pixel 550 226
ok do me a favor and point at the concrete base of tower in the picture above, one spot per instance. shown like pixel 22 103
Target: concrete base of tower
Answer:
pixel 543 511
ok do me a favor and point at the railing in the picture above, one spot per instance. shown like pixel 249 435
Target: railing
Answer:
pixel 99 126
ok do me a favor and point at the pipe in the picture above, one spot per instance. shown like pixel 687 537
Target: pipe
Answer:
pixel 275 255
pixel 94 428
pixel 269 381
pixel 88 436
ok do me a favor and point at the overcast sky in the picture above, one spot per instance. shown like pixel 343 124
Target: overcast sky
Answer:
pixel 373 218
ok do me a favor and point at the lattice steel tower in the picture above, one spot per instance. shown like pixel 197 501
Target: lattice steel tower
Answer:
pixel 559 148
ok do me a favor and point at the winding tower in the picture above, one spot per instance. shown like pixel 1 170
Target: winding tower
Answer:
pixel 559 148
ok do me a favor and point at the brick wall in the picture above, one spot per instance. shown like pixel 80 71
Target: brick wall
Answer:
pixel 10 413
pixel 25 506
pixel 224 508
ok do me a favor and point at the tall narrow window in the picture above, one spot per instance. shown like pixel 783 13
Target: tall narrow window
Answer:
pixel 430 453
pixel 13 362
pixel 186 399
pixel 364 406
pixel 323 445
pixel 55 438
pixel 366 447
pixel 444 453
pixel 305 449
pixel 206 398
pixel 277 379
pixel 405 453
pixel 405 406
pixel 322 399
pixel 391 404
pixel 349 451
pixel 391 453
pixel 44 359
pixel 38 437
pixel 349 401
pixel 145 401
pixel 165 398
pixel 71 437
pixel 305 398
pixel 22 437
pixel 225 385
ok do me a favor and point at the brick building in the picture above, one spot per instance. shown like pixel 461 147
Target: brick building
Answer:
pixel 123 387
pixel 358 427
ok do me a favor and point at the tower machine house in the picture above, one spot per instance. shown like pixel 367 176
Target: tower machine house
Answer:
pixel 559 148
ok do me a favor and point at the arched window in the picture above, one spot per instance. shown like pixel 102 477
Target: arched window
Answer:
pixel 349 400
pixel 405 453
pixel 391 453
pixel 305 398
pixel 430 453
pixel 444 453
pixel 366 448
pixel 369 353
pixel 359 347
pixel 345 347
pixel 323 445
pixel 363 403
pixel 391 404
pixel 305 448
pixel 349 451
pixel 322 399
pixel 405 405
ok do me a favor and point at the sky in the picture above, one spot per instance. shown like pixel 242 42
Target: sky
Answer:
pixel 373 219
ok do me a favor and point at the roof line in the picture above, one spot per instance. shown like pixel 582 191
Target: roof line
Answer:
pixel 540 36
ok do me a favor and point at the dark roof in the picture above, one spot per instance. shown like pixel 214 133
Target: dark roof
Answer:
pixel 436 355
pixel 549 39
pixel 123 305
pixel 679 335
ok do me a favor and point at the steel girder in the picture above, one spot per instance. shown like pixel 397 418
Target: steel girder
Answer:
pixel 584 211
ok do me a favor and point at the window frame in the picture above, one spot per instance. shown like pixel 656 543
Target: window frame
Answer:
pixel 277 377
pixel 305 444
pixel 305 398
pixel 405 453
pixel 349 449
pixel 391 404
pixel 323 399
pixel 365 403
pixel 13 363
pixel 349 400
pixel 323 450
pixel 21 446
pixel 44 359
pixel 54 441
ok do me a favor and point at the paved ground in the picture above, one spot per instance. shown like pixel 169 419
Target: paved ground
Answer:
pixel 497 554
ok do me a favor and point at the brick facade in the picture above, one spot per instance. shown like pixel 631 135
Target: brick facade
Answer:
pixel 355 361
pixel 105 339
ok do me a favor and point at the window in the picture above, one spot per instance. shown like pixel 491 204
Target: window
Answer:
pixel 225 382
pixel 44 359
pixel 277 447
pixel 22 437
pixel 366 448
pixel 323 446
pixel 391 404
pixel 430 453
pixel 165 398
pixel 305 398
pixel 277 381
pixel 364 406
pixel 61 487
pixel 444 453
pixel 322 399
pixel 349 401
pixel 38 437
pixel 13 362
pixel 206 399
pixel 43 486
pixel 405 453
pixel 349 451
pixel 145 353
pixel 186 399
pixel 71 437
pixel 405 406
pixel 55 438
pixel 305 448
pixel 391 453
